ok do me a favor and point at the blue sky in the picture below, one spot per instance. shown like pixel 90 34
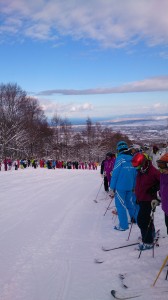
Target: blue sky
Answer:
pixel 96 58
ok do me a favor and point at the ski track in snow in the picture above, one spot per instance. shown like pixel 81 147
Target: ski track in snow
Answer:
pixel 51 231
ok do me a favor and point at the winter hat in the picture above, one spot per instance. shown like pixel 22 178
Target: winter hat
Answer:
pixel 155 147
pixel 110 154
pixel 122 146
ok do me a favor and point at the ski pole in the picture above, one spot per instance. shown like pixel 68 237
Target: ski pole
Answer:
pixel 151 218
pixel 99 190
pixel 154 243
pixel 108 206
pixel 164 263
pixel 129 232
pixel 132 221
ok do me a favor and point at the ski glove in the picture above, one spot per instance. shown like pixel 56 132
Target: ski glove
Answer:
pixel 155 203
pixel 111 193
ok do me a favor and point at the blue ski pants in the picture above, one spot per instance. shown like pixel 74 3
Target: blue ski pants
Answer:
pixel 125 201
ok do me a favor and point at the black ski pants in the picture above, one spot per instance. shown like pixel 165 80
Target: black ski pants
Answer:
pixel 106 185
pixel 145 223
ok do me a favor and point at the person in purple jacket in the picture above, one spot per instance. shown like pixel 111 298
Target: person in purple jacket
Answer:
pixel 107 166
pixel 163 167
pixel 146 187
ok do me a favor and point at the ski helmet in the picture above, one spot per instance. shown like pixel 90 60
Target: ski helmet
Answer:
pixel 163 161
pixel 121 146
pixel 138 159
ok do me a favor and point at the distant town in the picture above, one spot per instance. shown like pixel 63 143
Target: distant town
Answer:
pixel 145 134
pixel 143 131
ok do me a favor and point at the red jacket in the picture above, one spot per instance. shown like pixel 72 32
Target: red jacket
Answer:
pixel 147 184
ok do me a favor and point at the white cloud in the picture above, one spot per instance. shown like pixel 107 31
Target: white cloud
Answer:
pixel 157 105
pixel 114 108
pixel 150 109
pixel 152 84
pixel 82 107
pixel 38 31
pixel 112 23
pixel 70 109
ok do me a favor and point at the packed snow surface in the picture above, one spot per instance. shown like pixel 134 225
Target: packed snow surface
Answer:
pixel 51 232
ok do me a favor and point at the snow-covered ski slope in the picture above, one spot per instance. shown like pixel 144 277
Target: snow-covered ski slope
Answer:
pixel 51 232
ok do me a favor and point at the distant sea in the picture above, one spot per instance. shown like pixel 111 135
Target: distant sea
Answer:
pixel 125 120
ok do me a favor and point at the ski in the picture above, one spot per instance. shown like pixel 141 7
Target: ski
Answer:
pixel 116 296
pixel 128 296
pixel 132 244
pixel 122 278
pixel 119 247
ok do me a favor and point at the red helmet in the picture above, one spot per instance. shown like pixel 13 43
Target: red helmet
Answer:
pixel 138 159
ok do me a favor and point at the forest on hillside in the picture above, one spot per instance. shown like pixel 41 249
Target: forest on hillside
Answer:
pixel 25 131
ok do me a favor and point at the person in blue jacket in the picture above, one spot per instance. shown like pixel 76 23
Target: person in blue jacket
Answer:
pixel 122 186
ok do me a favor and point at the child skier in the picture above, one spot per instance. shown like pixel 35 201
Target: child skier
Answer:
pixel 147 185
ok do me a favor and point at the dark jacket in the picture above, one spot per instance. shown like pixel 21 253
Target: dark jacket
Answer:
pixel 147 184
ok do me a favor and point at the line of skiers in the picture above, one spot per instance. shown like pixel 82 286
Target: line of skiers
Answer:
pixel 17 163
pixel 52 164
pixel 138 187
pixel 47 163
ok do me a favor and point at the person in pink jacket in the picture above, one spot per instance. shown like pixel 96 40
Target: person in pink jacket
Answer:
pixel 107 166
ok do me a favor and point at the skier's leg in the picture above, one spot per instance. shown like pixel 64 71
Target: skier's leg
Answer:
pixel 121 209
pixel 136 206
pixel 131 205
pixel 106 188
pixel 144 222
